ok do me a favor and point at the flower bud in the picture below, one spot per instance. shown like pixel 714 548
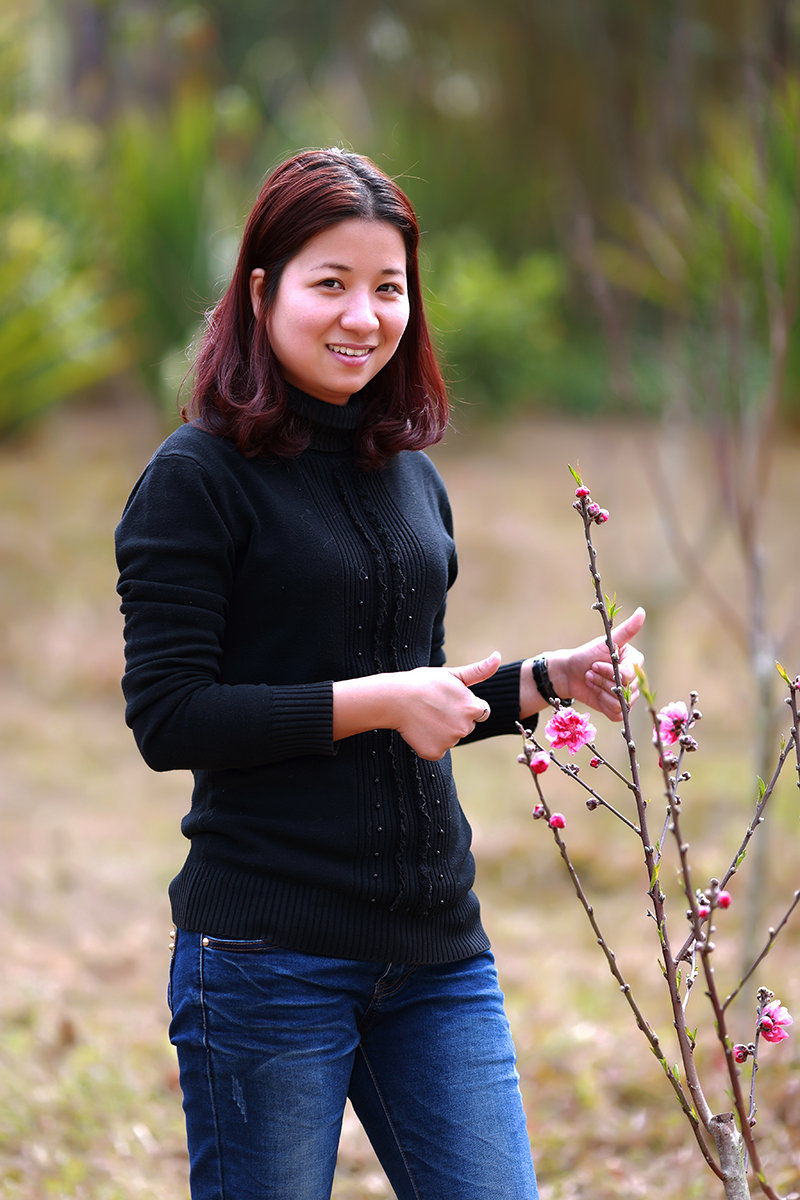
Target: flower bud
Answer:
pixel 540 762
pixel 595 762
pixel 740 1053
pixel 581 491
pixel 557 821
pixel 724 899
pixel 538 811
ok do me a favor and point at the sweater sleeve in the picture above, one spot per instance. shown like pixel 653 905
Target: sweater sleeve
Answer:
pixel 176 555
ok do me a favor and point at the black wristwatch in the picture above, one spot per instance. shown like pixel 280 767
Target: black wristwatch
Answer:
pixel 544 684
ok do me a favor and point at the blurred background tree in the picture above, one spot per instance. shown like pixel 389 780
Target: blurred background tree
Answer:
pixel 135 133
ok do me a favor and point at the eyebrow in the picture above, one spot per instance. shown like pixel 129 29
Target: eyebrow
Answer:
pixel 332 266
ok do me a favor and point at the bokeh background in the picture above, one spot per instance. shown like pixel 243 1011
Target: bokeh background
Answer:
pixel 609 197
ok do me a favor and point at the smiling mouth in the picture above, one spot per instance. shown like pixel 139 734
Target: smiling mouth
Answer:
pixel 351 351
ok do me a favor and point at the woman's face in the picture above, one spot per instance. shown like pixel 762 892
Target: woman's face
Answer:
pixel 340 309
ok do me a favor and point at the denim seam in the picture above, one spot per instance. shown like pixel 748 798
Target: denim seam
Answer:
pixel 389 1121
pixel 209 1072
pixel 381 993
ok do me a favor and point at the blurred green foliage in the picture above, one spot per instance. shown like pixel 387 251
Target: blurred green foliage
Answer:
pixel 715 253
pixel 156 217
pixel 134 136
pixel 485 311
pixel 63 319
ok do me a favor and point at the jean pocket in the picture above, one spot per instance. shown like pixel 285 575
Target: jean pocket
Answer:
pixel 238 945
pixel 173 939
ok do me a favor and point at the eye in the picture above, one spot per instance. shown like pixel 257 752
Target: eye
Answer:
pixel 391 288
pixel 329 284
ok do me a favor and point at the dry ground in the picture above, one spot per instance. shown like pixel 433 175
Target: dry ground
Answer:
pixel 89 1106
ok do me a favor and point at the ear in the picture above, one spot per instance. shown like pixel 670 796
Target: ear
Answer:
pixel 256 290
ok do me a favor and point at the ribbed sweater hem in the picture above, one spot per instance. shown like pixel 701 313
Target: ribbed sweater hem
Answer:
pixel 218 902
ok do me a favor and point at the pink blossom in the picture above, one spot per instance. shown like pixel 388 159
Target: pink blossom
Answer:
pixel 740 1053
pixel 672 720
pixel 581 491
pixel 569 728
pixel 557 821
pixel 774 1018
pixel 540 762
pixel 724 899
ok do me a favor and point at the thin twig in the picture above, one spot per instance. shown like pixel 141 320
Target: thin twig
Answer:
pixel 772 938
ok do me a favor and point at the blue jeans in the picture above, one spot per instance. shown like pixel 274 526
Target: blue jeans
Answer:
pixel 271 1043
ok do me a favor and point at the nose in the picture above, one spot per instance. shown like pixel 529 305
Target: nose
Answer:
pixel 358 313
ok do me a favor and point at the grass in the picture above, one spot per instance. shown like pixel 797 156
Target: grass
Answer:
pixel 89 1103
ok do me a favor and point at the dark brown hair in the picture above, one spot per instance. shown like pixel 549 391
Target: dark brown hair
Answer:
pixel 238 390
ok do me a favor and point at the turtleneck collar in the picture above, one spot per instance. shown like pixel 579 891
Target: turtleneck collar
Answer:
pixel 333 426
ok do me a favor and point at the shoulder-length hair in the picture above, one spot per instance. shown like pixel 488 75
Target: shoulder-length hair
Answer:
pixel 238 390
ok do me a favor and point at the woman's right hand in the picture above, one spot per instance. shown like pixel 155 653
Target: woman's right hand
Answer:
pixel 432 708
pixel 438 708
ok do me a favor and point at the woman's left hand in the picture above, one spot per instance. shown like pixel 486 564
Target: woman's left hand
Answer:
pixel 587 674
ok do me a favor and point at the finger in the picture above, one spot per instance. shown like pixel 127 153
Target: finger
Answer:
pixel 484 716
pixel 628 628
pixel 629 670
pixel 603 698
pixel 603 687
pixel 604 671
pixel 600 671
pixel 475 672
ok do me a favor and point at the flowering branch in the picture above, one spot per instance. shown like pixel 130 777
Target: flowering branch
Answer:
pixel 771 1022
pixel 535 757
pixel 592 514
pixel 673 740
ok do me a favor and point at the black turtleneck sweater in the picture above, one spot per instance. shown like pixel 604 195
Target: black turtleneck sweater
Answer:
pixel 248 585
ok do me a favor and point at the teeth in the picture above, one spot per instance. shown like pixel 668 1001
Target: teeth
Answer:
pixel 350 353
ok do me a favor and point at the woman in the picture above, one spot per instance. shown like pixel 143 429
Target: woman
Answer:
pixel 284 563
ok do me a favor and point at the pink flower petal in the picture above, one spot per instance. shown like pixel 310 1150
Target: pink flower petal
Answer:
pixel 672 720
pixel 774 1018
pixel 570 729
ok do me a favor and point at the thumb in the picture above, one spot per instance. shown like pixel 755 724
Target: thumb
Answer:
pixel 475 672
pixel 628 629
